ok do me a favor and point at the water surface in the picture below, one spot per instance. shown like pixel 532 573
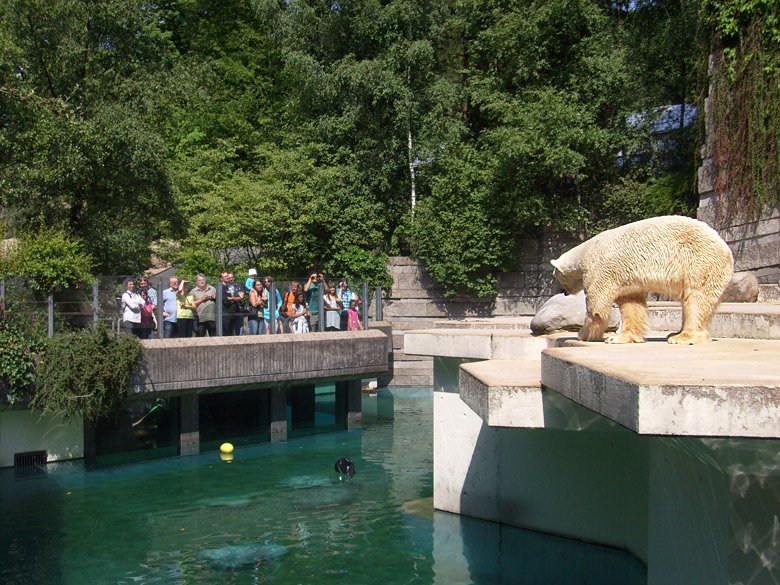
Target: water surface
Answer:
pixel 279 514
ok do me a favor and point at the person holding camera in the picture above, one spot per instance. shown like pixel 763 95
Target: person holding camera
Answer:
pixel 312 290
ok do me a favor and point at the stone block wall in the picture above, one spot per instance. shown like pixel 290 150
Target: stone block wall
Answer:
pixel 416 302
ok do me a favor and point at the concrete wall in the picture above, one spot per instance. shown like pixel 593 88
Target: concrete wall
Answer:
pixel 755 242
pixel 524 477
pixel 695 510
pixel 26 430
pixel 416 302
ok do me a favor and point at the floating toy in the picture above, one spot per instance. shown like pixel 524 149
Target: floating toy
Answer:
pixel 345 466
pixel 226 448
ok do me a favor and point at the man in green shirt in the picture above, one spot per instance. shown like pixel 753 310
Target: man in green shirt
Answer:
pixel 205 297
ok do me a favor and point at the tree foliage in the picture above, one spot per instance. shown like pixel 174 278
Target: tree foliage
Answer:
pixel 48 258
pixel 77 152
pixel 301 134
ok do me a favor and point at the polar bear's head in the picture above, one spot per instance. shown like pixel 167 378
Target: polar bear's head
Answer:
pixel 568 275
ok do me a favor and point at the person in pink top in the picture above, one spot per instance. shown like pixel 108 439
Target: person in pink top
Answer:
pixel 353 317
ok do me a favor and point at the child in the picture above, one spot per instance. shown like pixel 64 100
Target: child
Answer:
pixel 300 314
pixel 353 318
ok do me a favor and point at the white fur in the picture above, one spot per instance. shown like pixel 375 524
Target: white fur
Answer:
pixel 672 255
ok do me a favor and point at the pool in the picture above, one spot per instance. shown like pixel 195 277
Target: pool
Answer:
pixel 279 513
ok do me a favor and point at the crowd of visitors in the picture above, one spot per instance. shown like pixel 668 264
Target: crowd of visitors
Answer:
pixel 246 309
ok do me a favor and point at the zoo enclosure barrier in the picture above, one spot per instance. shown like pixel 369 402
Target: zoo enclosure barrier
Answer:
pixel 67 309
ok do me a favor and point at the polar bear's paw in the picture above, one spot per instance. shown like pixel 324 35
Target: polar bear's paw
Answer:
pixel 625 337
pixel 689 337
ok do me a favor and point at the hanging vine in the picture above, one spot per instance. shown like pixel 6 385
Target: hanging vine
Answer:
pixel 745 106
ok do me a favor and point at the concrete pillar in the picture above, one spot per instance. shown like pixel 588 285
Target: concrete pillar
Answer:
pixel 189 429
pixel 90 442
pixel 354 404
pixel 278 428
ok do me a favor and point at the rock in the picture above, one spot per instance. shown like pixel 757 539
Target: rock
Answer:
pixel 566 312
pixel 743 288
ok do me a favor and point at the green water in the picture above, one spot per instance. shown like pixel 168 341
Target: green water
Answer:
pixel 278 514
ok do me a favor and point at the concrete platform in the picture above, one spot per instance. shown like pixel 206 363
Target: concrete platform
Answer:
pixel 726 388
pixel 504 393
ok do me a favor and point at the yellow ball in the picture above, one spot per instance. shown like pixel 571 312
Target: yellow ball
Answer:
pixel 226 448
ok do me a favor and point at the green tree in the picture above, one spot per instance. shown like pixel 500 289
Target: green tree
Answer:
pixel 78 154
pixel 49 258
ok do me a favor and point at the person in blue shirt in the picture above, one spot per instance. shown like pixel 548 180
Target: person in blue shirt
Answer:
pixel 250 282
pixel 170 308
pixel 267 281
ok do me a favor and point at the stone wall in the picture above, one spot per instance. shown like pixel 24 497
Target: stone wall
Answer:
pixel 755 243
pixel 416 302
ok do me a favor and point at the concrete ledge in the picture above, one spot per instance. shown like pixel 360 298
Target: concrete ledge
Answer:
pixel 230 363
pixel 736 320
pixel 727 388
pixel 522 322
pixel 504 393
pixel 483 344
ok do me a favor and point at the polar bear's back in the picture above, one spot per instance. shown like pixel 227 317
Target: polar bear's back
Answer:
pixel 669 255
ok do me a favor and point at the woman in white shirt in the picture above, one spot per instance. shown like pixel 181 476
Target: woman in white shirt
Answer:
pixel 300 314
pixel 132 304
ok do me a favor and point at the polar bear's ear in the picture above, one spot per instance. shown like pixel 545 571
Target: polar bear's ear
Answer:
pixel 556 264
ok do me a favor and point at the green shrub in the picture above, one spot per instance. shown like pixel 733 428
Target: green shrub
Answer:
pixel 86 372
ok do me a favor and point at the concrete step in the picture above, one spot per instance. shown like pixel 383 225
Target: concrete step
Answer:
pixel 768 293
pixel 521 322
pixel 504 393
pixel 731 320
pixel 483 344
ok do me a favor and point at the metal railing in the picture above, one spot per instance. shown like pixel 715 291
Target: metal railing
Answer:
pixel 100 301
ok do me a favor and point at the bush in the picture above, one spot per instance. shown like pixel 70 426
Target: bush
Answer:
pixel 86 372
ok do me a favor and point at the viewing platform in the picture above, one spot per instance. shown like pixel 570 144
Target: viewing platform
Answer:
pixel 183 366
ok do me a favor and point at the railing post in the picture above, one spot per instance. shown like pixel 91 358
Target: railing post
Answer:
pixel 2 293
pixel 364 298
pixel 50 313
pixel 95 301
pixel 321 323
pixel 272 307
pixel 219 309
pixel 378 303
pixel 159 309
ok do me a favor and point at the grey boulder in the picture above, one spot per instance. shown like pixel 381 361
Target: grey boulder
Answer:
pixel 743 288
pixel 566 312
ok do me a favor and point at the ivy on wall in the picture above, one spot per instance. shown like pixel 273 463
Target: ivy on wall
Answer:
pixel 745 104
pixel 86 372
pixel 83 373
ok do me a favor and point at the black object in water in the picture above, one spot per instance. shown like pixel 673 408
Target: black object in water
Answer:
pixel 345 467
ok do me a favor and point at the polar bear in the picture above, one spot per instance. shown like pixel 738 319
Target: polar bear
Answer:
pixel 672 255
